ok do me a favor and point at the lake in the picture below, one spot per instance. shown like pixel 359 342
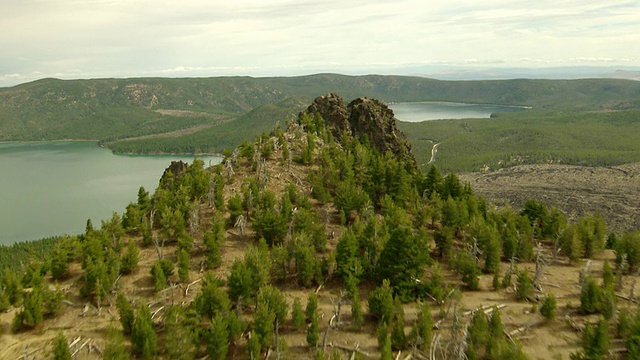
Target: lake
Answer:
pixel 52 188
pixel 424 111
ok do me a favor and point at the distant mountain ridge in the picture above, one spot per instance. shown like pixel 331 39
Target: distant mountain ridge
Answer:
pixel 112 109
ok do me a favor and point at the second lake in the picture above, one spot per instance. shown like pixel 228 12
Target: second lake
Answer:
pixel 425 111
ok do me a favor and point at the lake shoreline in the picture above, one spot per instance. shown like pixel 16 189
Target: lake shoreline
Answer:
pixel 525 107
pixel 98 142
pixel 47 141
pixel 419 111
pixel 52 188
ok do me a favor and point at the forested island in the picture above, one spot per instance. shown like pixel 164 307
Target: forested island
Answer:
pixel 325 237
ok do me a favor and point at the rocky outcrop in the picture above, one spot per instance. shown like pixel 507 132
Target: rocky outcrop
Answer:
pixel 332 110
pixel 171 174
pixel 363 118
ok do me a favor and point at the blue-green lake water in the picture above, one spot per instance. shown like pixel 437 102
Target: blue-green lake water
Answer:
pixel 52 188
pixel 425 111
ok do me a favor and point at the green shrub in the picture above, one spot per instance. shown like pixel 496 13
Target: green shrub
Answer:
pixel 595 342
pixel 381 306
pixel 61 349
pixel 469 270
pixel 548 308
pixel 143 336
pixel 130 258
pixel 524 288
pixel 297 315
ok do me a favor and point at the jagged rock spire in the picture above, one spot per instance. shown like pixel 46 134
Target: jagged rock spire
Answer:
pixel 362 118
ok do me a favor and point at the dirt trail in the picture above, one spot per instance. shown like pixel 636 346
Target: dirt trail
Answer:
pixel 434 151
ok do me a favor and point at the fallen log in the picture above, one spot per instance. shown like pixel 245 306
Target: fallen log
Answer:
pixel 487 309
pixel 354 349
pixel 96 348
pixel 575 326
pixel 491 309
pixel 80 348
pixel 623 297
pixel 156 312
pixel 75 341
pixel 186 291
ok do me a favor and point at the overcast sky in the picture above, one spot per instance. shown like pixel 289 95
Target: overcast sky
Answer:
pixel 179 38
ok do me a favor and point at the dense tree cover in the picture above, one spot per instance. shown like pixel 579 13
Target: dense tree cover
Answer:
pixel 15 257
pixel 535 136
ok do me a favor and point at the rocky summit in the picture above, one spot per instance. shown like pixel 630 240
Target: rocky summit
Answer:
pixel 363 118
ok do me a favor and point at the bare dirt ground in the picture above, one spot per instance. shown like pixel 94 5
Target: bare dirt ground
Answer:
pixel 541 340
pixel 614 192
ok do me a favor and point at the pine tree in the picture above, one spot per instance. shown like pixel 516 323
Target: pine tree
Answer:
pixel 381 305
pixel 608 279
pixel 32 312
pixel 212 246
pixel 305 259
pixel 297 315
pixel 469 271
pixel 421 332
pixel 160 281
pixel 273 298
pixel 478 331
pixel 313 331
pixel 177 334
pixel 234 205
pixel 59 263
pixel 356 306
pixel 218 339
pixel 212 300
pixel 384 342
pixel 590 296
pixel 548 308
pixel 264 319
pixel 115 346
pixel 496 329
pixel 239 281
pixel 61 349
pixel 398 337
pixel 444 241
pixel 312 305
pixel 143 336
pixel 433 181
pixel 183 266
pixel 403 260
pixel 492 251
pixel 130 258
pixel 319 355
pixel 126 313
pixel 524 288
pixel 595 342
pixel 254 345
pixel 347 257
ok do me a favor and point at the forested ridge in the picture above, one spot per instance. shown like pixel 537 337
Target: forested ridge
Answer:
pixel 109 110
pixel 322 239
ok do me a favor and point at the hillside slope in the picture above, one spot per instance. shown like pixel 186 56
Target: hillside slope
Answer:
pixel 110 109
pixel 220 261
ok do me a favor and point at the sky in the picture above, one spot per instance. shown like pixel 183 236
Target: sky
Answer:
pixel 72 39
